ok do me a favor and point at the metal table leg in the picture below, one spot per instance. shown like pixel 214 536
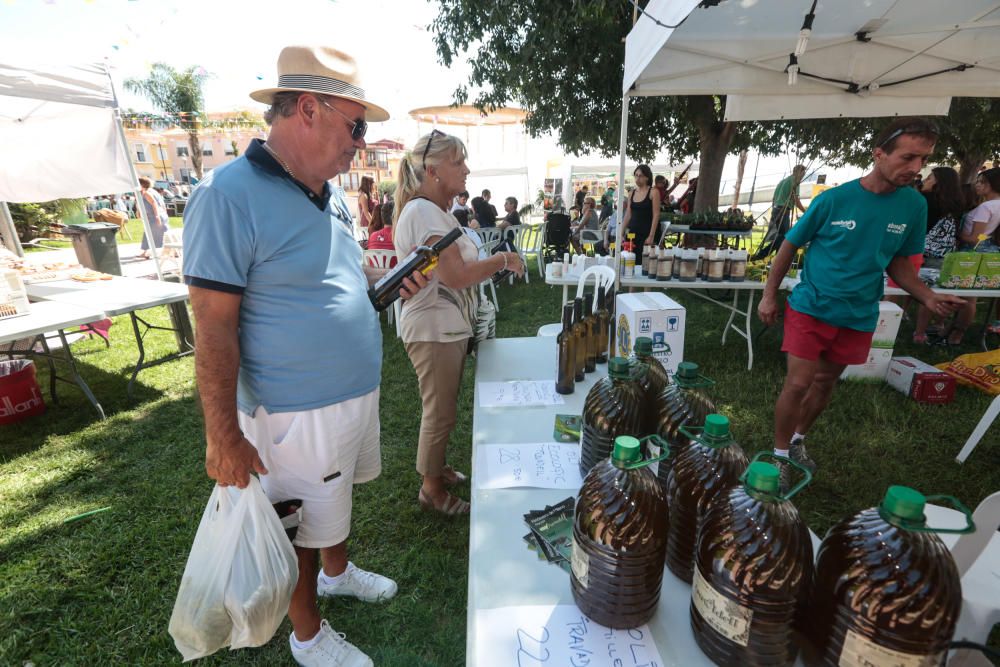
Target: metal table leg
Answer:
pixel 182 331
pixel 75 378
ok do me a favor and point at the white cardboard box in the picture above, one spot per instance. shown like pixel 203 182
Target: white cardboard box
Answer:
pixel 920 381
pixel 889 318
pixel 874 369
pixel 656 316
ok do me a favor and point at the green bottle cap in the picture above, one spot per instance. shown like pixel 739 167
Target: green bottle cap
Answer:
pixel 687 370
pixel 618 367
pixel 644 346
pixel 626 450
pixel 904 502
pixel 717 426
pixel 763 477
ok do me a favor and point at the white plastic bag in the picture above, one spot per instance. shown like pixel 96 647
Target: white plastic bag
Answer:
pixel 239 576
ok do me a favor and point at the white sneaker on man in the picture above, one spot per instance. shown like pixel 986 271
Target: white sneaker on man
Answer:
pixel 358 583
pixel 331 650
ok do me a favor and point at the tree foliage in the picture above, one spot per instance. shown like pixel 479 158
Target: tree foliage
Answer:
pixel 177 93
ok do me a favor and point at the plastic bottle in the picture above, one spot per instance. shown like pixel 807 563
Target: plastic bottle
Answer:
pixel 652 261
pixel 675 272
pixel 613 407
pixel 689 266
pixel 710 465
pixel 716 266
pixel 738 268
pixel 645 262
pixel 619 540
pixel 566 344
pixel 753 571
pixel 580 336
pixel 886 590
pixel 727 270
pixel 702 267
pixel 652 378
pixel 665 265
pixel 685 402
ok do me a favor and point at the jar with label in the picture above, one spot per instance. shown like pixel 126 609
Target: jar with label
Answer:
pixel 665 267
pixel 729 264
pixel 675 272
pixel 645 262
pixel 652 258
pixel 702 267
pixel 738 269
pixel 887 591
pixel 689 266
pixel 619 539
pixel 716 266
pixel 747 593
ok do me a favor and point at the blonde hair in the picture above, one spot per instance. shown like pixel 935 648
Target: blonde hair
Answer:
pixel 412 168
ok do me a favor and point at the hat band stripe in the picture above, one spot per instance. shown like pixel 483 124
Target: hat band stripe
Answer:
pixel 321 84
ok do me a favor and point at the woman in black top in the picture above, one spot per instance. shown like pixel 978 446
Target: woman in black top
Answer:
pixel 639 214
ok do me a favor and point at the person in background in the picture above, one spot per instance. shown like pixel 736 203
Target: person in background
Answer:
pixel 156 214
pixel 855 233
pixel 983 220
pixel 289 346
pixel 609 231
pixel 786 197
pixel 608 202
pixel 510 219
pixel 686 204
pixel 380 235
pixel 581 194
pixel 945 200
pixel 485 213
pixel 366 203
pixel 588 220
pixel 461 203
pixel 639 213
pixel 437 324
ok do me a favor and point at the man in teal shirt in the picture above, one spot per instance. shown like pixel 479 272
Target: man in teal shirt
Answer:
pixel 855 232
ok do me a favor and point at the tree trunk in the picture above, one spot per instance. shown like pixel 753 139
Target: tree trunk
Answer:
pixel 969 164
pixel 194 143
pixel 740 168
pixel 715 139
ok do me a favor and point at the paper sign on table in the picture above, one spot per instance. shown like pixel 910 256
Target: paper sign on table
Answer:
pixel 557 635
pixel 518 393
pixel 543 465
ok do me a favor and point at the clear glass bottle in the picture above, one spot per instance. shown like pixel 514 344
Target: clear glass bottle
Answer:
pixel 613 407
pixel 711 464
pixel 753 571
pixel 566 369
pixel 619 540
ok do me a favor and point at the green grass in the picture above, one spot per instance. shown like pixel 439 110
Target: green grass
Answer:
pixel 133 227
pixel 100 590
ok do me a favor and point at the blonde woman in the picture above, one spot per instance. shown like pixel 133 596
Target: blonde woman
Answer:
pixel 438 322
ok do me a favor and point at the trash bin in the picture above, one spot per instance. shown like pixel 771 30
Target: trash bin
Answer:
pixel 20 395
pixel 96 246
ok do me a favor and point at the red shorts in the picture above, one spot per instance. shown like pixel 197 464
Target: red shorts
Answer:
pixel 808 338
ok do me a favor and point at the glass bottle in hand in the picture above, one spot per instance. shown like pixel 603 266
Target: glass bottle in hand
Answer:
pixel 422 259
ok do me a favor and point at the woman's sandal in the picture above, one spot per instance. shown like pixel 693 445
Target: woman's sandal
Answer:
pixel 453 477
pixel 452 506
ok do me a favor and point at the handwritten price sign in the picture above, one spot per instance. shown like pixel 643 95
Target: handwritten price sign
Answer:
pixel 544 465
pixel 518 393
pixel 560 635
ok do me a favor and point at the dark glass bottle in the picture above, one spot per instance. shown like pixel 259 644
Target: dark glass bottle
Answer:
pixel 580 334
pixel 613 407
pixel 590 322
pixel 887 590
pixel 683 403
pixel 566 369
pixel 619 540
pixel 423 259
pixel 603 322
pixel 710 465
pixel 652 378
pixel 753 571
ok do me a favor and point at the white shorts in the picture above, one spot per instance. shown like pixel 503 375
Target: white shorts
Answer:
pixel 318 456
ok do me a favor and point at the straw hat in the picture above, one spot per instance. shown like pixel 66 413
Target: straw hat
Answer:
pixel 321 70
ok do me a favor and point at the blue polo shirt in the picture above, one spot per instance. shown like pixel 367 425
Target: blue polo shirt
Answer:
pixel 853 234
pixel 309 336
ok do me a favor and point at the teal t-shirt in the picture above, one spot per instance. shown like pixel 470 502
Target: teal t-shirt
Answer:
pixel 853 234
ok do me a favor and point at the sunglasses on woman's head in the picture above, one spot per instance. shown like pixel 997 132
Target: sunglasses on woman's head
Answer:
pixel 360 126
pixel 423 159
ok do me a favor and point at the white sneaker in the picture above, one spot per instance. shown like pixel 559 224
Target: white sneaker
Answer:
pixel 332 650
pixel 358 583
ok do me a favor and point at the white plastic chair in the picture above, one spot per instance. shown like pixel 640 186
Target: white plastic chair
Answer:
pixel 590 237
pixel 528 239
pixel 380 259
pixel 491 237
pixel 483 254
pixel 603 275
pixel 977 433
pixel 977 556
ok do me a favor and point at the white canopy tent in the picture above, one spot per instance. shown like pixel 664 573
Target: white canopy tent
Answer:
pixel 859 58
pixel 61 137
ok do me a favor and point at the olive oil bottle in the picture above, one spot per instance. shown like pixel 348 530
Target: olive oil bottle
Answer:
pixel 580 335
pixel 613 407
pixel 603 322
pixel 590 322
pixel 685 402
pixel 423 259
pixel 566 369
pixel 652 378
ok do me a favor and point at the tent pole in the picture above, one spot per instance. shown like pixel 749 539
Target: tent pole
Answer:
pixel 620 204
pixel 139 205
pixel 8 233
pixel 753 185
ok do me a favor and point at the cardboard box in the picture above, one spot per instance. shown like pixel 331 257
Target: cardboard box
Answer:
pixel 988 276
pixel 656 316
pixel 873 370
pixel 959 270
pixel 890 316
pixel 921 382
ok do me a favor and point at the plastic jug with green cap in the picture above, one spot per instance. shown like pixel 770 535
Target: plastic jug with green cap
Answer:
pixel 619 538
pixel 753 570
pixel 652 378
pixel 886 589
pixel 613 407
pixel 709 466
pixel 685 402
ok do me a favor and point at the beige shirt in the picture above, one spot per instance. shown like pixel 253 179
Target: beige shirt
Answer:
pixel 437 314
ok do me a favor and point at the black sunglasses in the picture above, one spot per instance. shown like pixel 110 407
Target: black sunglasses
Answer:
pixel 913 128
pixel 360 127
pixel 423 159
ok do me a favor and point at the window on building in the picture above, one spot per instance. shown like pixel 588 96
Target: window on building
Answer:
pixel 206 148
pixel 229 147
pixel 162 153
pixel 182 151
pixel 370 159
pixel 383 160
pixel 353 181
pixel 140 153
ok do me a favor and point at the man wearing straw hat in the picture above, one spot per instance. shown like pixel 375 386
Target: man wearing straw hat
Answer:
pixel 289 346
